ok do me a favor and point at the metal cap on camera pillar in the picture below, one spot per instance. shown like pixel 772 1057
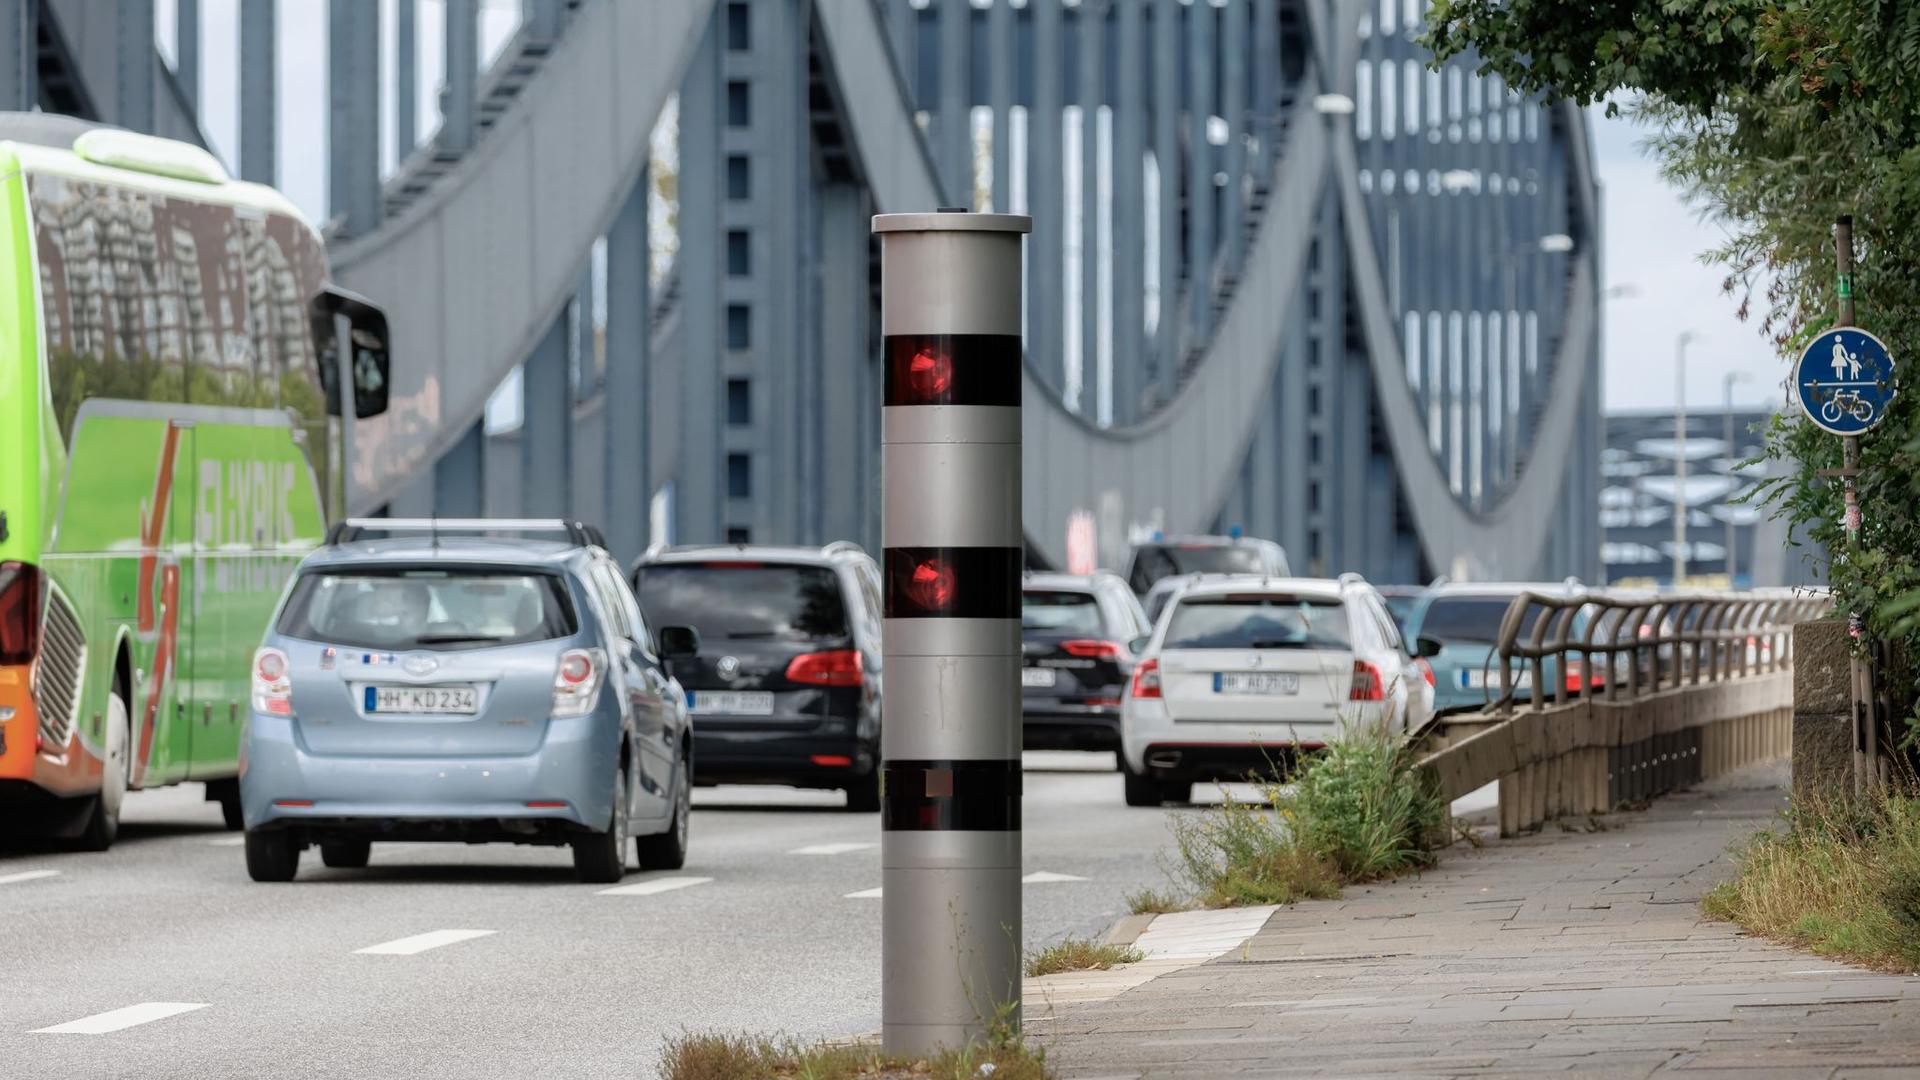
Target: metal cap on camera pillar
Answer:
pixel 950 297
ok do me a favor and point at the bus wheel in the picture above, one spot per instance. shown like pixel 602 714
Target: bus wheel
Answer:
pixel 103 824
pixel 227 794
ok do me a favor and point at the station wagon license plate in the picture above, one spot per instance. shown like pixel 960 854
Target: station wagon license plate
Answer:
pixel 1255 682
pixel 423 700
pixel 731 702
pixel 1038 677
pixel 1479 679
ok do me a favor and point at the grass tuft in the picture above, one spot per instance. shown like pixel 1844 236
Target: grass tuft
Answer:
pixel 1080 954
pixel 749 1057
pixel 1155 902
pixel 1839 879
pixel 1357 811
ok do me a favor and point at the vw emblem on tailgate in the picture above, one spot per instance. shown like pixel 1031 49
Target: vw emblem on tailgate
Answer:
pixel 728 667
pixel 420 665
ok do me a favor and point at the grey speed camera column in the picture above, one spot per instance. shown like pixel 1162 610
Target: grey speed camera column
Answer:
pixel 950 809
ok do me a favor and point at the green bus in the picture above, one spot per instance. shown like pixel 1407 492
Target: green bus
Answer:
pixel 169 449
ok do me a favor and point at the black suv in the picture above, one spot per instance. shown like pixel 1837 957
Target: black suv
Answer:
pixel 1077 637
pixel 785 686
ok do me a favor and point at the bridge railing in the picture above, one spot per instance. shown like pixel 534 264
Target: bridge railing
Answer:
pixel 1612 697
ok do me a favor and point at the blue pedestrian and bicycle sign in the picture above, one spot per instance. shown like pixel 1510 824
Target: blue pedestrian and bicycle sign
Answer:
pixel 1845 380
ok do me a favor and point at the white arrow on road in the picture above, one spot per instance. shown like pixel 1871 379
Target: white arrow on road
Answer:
pixel 657 885
pixel 1047 877
pixel 27 875
pixel 101 1023
pixel 419 943
pixel 829 849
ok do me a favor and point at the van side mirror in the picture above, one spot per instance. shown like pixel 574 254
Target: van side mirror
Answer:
pixel 1139 645
pixel 372 365
pixel 679 642
pixel 1426 647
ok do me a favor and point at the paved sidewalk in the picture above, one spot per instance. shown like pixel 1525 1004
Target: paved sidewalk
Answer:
pixel 1582 954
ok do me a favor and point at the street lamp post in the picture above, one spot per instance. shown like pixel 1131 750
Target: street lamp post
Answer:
pixel 1726 401
pixel 1680 457
pixel 1550 244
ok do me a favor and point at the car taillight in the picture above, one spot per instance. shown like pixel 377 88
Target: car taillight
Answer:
pixel 576 682
pixel 1575 677
pixel 841 667
pixel 1367 684
pixel 21 587
pixel 1146 680
pixel 272 683
pixel 1426 672
pixel 1089 649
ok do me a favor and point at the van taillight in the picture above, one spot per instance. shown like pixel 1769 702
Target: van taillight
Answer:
pixel 22 587
pixel 841 667
pixel 1146 680
pixel 272 683
pixel 1367 684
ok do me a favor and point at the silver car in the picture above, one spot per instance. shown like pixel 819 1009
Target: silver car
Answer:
pixel 436 686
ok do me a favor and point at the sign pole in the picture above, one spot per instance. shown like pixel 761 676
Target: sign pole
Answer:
pixel 950 300
pixel 1864 736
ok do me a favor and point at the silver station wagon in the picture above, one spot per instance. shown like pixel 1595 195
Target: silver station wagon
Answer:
pixel 439 686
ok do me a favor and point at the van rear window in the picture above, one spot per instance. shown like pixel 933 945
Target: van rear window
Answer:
pixel 439 609
pixel 734 601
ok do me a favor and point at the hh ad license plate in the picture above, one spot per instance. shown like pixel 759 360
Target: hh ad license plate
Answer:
pixel 1255 682
pixel 423 700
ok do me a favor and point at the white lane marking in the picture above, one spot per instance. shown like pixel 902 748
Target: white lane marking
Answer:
pixel 420 943
pixel 864 894
pixel 657 885
pixel 829 849
pixel 228 841
pixel 1047 877
pixel 27 875
pixel 101 1023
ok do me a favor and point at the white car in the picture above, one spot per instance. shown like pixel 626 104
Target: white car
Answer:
pixel 1242 674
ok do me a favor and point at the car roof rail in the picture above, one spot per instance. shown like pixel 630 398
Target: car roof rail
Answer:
pixel 842 547
pixel 579 533
pixel 1352 577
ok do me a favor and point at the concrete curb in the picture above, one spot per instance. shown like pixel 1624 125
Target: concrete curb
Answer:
pixel 1129 928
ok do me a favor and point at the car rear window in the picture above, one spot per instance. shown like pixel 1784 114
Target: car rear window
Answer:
pixel 1060 611
pixel 440 608
pixel 1258 621
pixel 1471 619
pixel 1155 561
pixel 743 600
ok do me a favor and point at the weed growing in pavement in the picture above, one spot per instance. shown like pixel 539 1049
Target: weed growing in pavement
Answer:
pixel 1357 811
pixel 1841 879
pixel 1080 954
pixel 750 1057
pixel 1155 902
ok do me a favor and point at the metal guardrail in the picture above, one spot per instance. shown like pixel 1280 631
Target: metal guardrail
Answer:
pixel 1629 695
pixel 1650 641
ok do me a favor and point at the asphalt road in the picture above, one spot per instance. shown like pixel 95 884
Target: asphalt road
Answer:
pixel 550 977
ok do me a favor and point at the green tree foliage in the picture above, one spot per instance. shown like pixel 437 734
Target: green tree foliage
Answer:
pixel 1775 116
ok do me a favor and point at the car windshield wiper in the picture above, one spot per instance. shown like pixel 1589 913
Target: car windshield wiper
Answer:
pixel 753 635
pixel 1271 643
pixel 450 639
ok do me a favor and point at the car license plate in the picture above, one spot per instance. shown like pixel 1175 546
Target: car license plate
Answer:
pixel 732 702
pixel 1255 682
pixel 423 700
pixel 1478 679
pixel 1039 677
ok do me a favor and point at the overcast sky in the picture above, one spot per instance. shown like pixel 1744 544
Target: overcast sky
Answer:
pixel 1653 240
